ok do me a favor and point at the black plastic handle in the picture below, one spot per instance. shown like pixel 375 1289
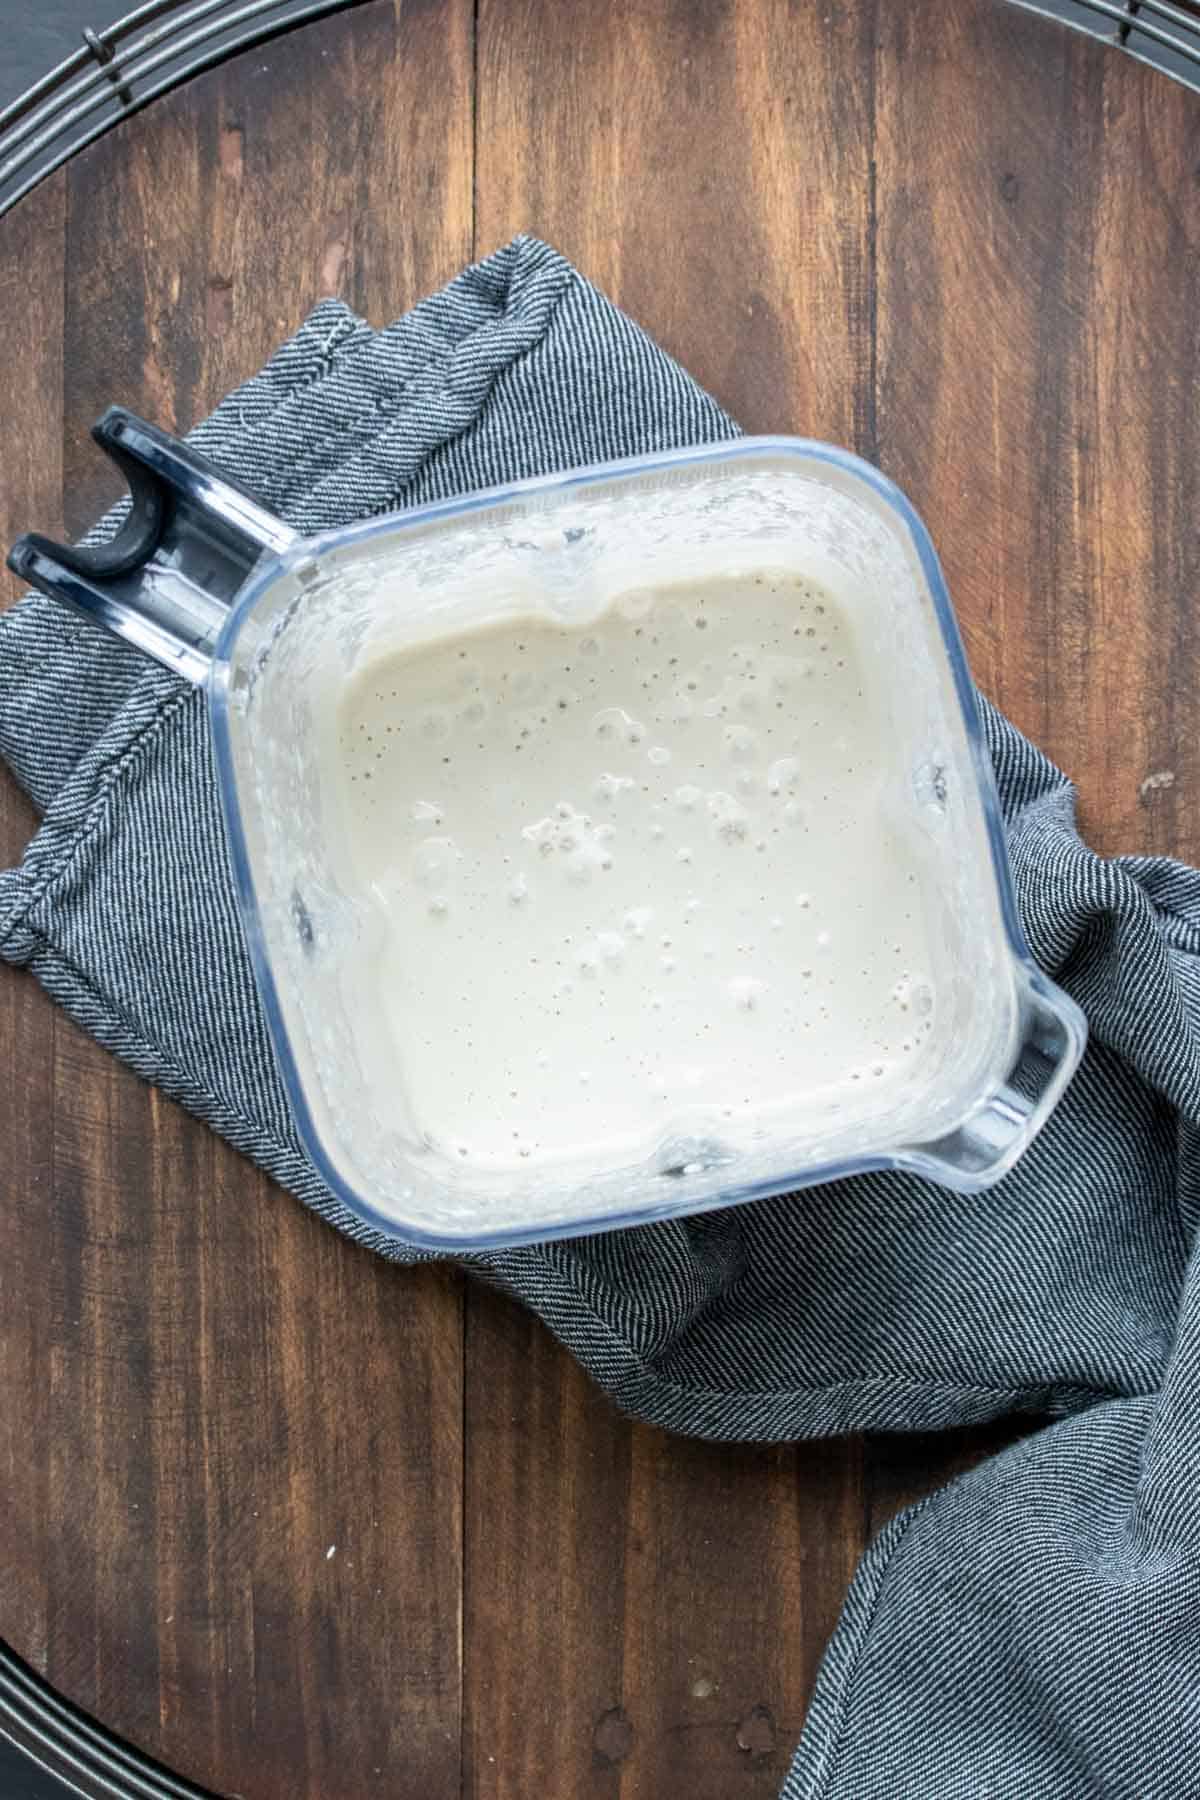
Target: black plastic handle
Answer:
pixel 166 580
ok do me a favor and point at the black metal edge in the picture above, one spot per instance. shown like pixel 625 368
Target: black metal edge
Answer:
pixel 1159 32
pixel 77 1756
pixel 112 88
pixel 102 77
pixel 71 1750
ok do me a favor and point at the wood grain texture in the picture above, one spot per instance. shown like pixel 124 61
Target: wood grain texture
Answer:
pixel 708 165
pixel 644 1614
pixel 746 251
pixel 1039 324
pixel 31 299
pixel 202 232
pixel 948 234
pixel 232 1442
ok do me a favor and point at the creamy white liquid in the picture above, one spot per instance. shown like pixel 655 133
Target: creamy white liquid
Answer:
pixel 639 878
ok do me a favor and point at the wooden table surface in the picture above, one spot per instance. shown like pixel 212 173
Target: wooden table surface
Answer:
pixel 948 234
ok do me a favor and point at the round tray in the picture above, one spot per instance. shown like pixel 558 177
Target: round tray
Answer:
pixel 124 66
pixel 49 1748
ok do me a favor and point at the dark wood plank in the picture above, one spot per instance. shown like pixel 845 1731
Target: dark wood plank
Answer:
pixel 231 1442
pixel 667 1639
pixel 947 234
pixel 31 292
pixel 203 231
pixel 844 221
pixel 644 1613
pixel 31 372
pixel 1038 298
pixel 708 165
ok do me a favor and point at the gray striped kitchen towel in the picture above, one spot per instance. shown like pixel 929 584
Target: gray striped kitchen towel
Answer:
pixel 1034 1629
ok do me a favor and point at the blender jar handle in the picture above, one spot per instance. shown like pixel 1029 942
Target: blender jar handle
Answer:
pixel 1049 1041
pixel 165 582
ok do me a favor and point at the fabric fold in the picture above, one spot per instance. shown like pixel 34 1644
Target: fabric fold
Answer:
pixel 1034 1628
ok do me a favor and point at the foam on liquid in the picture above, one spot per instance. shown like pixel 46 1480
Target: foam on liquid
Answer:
pixel 638 877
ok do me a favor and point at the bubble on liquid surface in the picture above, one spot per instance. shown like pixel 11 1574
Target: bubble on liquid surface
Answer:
pixel 435 860
pixel 437 722
pixel 608 786
pixel 914 996
pixel 613 725
pixel 581 866
pixel 652 754
pixel 783 774
pixel 741 744
pixel 729 817
pixel 635 603
pixel 746 992
pixel 571 839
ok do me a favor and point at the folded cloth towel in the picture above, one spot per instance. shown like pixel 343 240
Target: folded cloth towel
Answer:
pixel 1032 1630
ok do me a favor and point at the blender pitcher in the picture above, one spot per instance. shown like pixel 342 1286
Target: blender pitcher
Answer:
pixel 274 625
